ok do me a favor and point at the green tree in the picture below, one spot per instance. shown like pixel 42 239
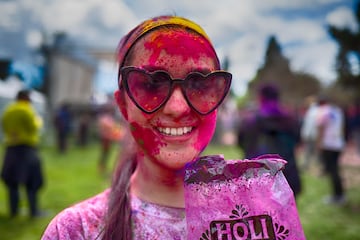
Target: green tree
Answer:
pixel 349 43
pixel 294 86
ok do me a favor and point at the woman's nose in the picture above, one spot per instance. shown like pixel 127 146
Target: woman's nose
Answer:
pixel 177 105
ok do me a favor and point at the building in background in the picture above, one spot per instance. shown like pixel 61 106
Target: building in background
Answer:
pixel 69 74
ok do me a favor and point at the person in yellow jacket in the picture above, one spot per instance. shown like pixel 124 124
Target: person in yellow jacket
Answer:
pixel 22 164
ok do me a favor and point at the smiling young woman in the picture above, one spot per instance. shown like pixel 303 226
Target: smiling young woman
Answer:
pixel 170 85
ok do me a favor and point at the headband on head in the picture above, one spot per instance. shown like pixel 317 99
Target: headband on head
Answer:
pixel 131 38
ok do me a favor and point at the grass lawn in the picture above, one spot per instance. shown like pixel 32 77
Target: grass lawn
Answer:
pixel 74 176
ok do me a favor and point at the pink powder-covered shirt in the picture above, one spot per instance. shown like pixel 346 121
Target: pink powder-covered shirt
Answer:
pixel 85 220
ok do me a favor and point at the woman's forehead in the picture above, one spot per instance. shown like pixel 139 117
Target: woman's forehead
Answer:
pixel 171 43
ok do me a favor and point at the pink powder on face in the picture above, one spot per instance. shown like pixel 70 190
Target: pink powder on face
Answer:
pixel 206 131
pixel 146 136
pixel 179 43
pixel 151 143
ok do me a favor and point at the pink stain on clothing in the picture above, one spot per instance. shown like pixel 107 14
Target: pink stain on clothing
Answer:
pixel 85 220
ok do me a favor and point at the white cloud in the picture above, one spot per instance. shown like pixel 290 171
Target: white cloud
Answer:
pixel 342 17
pixel 246 56
pixel 34 38
pixel 63 15
pixel 114 12
pixel 294 4
pixel 8 18
pixel 317 58
pixel 299 30
pixel 355 63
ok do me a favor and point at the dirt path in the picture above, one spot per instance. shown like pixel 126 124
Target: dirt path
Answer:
pixel 350 157
pixel 350 166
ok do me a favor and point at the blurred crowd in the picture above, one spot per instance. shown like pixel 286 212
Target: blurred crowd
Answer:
pixel 313 137
pixel 23 129
pixel 101 123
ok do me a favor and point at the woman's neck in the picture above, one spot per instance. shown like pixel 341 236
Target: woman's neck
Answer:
pixel 154 183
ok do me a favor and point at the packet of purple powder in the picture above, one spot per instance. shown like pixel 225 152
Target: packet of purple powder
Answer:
pixel 240 200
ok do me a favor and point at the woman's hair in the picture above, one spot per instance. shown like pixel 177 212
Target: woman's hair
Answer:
pixel 118 223
pixel 118 218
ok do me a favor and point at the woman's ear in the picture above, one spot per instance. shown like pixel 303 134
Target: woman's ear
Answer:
pixel 120 100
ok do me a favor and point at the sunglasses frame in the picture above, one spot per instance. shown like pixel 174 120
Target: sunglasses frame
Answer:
pixel 124 72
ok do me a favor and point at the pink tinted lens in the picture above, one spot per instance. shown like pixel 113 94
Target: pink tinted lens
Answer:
pixel 205 93
pixel 148 91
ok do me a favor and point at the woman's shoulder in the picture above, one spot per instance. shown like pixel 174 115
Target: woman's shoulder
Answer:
pixel 93 205
pixel 82 220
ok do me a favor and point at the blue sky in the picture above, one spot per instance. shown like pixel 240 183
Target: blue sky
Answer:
pixel 239 29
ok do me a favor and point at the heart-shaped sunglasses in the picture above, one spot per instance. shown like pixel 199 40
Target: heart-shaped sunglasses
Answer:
pixel 151 90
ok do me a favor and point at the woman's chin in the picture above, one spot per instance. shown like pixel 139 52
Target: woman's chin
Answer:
pixel 176 160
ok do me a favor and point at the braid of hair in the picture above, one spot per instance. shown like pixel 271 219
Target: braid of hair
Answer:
pixel 118 224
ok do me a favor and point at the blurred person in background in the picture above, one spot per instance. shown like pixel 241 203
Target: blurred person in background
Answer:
pixel 309 132
pixel 83 128
pixel 353 125
pixel 272 130
pixel 330 143
pixel 170 86
pixel 62 123
pixel 110 131
pixel 22 164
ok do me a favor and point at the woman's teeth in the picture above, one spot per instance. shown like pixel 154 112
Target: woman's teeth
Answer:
pixel 175 131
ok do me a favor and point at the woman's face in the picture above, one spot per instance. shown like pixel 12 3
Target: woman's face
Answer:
pixel 175 134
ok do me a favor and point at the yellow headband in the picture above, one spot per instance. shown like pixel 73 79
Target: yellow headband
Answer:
pixel 130 39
